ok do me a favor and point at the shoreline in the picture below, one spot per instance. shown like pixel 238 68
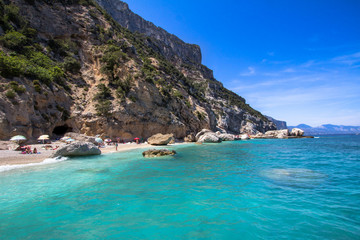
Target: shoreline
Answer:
pixel 13 158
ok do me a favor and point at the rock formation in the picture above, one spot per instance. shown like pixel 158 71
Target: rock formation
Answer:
pixel 158 153
pixel 161 139
pixel 207 136
pixel 77 149
pixel 73 68
pixel 297 132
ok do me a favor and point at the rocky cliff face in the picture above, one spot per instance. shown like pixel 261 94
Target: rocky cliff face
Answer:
pixel 66 65
pixel 169 45
pixel 279 124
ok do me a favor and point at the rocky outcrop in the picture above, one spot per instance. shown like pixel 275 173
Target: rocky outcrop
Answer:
pixel 207 136
pixel 158 153
pixel 161 139
pixel 277 133
pixel 77 149
pixel 297 132
pixel 225 136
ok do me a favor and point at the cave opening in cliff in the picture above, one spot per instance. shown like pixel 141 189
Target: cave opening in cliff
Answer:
pixel 61 130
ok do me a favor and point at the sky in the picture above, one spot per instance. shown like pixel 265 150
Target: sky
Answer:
pixel 296 61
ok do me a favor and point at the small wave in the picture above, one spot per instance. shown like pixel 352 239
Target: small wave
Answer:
pixel 5 168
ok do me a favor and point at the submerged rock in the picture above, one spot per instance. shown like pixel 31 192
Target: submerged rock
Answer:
pixel 161 139
pixel 77 149
pixel 158 152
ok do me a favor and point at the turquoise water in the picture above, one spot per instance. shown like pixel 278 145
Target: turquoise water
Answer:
pixel 258 189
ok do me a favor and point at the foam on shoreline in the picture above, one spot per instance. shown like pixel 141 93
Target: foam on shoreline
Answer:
pixel 5 168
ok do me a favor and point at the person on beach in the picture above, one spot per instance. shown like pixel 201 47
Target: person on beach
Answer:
pixel 35 151
pixel 116 146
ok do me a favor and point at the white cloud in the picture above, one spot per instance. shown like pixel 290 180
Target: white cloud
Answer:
pixel 251 72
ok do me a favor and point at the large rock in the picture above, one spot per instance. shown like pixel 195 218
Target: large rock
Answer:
pixel 226 136
pixel 209 138
pixel 77 149
pixel 202 132
pixel 297 132
pixel 158 152
pixel 278 134
pixel 160 139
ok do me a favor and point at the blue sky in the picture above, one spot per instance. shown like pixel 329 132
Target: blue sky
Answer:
pixel 297 61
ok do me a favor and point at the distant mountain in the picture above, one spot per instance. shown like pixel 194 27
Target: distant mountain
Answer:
pixel 327 129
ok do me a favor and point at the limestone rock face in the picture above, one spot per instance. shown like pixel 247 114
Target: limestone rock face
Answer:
pixel 158 152
pixel 160 139
pixel 77 149
pixel 176 95
pixel 297 132
pixel 169 45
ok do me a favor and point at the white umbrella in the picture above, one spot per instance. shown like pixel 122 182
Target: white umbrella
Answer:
pixel 107 140
pixel 18 138
pixel 44 137
pixel 98 140
pixel 70 140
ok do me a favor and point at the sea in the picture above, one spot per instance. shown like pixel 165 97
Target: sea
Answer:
pixel 254 189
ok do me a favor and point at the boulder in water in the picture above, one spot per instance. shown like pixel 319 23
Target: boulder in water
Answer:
pixel 77 149
pixel 158 153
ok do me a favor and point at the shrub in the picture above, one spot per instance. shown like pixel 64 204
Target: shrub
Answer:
pixel 63 47
pixel 123 85
pixel 10 94
pixel 37 86
pixel 177 94
pixel 111 59
pixel 71 64
pixel 30 32
pixel 16 87
pixel 11 66
pixel 14 40
pixel 103 93
pixel 103 108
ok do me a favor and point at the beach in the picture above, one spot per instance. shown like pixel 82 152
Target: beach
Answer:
pixel 10 157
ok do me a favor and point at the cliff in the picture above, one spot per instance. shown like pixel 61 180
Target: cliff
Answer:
pixel 169 45
pixel 279 124
pixel 67 65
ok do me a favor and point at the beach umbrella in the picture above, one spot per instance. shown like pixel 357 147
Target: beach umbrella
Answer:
pixel 44 137
pixel 136 138
pixel 18 138
pixel 70 140
pixel 107 140
pixel 98 140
